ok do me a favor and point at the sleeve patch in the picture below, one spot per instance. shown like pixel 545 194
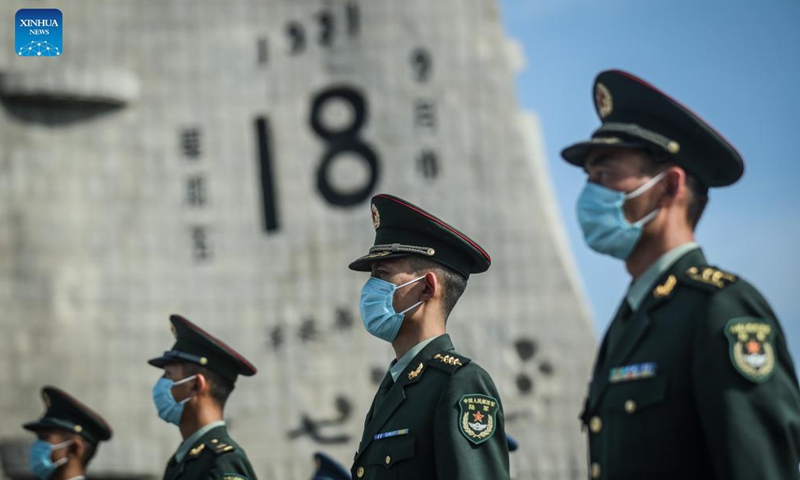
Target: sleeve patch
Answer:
pixel 752 350
pixel 478 417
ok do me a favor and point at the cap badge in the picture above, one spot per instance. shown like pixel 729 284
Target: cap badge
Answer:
pixel 174 332
pixel 376 217
pixel 603 101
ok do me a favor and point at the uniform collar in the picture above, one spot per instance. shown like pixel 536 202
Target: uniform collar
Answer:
pixel 641 286
pixel 79 477
pixel 193 438
pixel 397 368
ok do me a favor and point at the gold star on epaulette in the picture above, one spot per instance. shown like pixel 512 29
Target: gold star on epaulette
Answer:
pixel 197 450
pixel 711 276
pixel 449 360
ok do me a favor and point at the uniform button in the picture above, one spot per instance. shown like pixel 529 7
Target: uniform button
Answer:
pixel 595 424
pixel 360 472
pixel 630 406
pixel 388 460
pixel 595 470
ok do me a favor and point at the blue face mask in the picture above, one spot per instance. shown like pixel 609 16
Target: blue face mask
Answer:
pixel 603 222
pixel 40 461
pixel 377 308
pixel 168 409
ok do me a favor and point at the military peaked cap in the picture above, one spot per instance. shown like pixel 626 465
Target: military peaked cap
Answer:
pixel 64 412
pixel 195 345
pixel 402 229
pixel 635 114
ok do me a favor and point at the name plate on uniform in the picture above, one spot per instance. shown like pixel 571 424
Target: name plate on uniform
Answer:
pixel 629 373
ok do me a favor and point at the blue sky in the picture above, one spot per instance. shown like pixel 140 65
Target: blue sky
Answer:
pixel 735 63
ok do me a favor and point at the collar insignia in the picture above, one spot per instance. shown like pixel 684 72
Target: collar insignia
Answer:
pixel 415 373
pixel 664 290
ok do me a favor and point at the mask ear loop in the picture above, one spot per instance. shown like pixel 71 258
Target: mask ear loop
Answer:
pixel 59 446
pixel 647 186
pixel 416 304
pixel 181 382
pixel 411 308
pixel 410 282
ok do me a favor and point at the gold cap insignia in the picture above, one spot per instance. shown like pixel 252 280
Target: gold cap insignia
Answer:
pixel 174 332
pixel 203 360
pixel 376 217
pixel 77 428
pixel 603 101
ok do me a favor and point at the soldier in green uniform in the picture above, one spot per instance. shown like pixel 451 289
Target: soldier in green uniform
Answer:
pixel 693 379
pixel 437 414
pixel 68 435
pixel 199 374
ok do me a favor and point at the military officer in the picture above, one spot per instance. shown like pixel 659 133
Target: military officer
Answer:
pixel 68 435
pixel 437 414
pixel 693 379
pixel 199 374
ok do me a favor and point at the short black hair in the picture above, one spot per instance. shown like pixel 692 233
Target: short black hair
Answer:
pixel 220 387
pixel 453 282
pixel 88 455
pixel 699 192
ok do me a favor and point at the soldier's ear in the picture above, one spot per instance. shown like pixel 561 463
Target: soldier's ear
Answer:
pixel 201 385
pixel 674 185
pixel 431 285
pixel 78 447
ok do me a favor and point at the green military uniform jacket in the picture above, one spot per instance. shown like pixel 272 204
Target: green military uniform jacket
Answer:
pixel 700 385
pixel 442 419
pixel 214 456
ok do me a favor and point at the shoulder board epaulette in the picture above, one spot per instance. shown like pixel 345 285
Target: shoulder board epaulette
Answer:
pixel 448 361
pixel 709 277
pixel 220 447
